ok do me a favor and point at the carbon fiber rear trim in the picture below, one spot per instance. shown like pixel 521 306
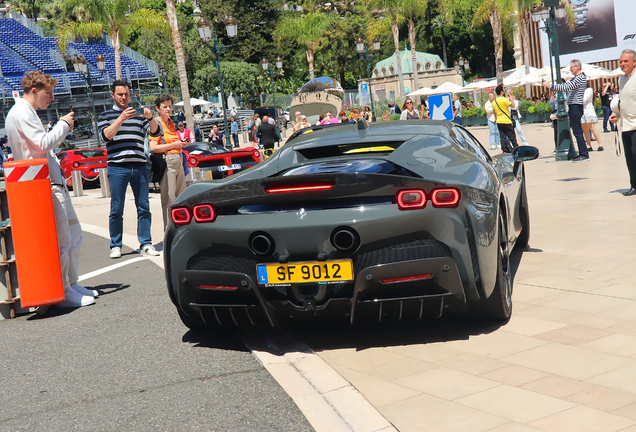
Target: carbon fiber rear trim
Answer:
pixel 415 250
pixel 209 260
pixel 472 247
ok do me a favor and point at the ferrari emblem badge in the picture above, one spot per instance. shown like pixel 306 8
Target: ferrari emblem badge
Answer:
pixel 301 214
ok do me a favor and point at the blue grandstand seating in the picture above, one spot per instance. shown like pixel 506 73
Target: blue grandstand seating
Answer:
pixel 23 50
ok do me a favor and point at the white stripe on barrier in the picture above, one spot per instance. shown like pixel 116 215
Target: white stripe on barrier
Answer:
pixel 31 172
pixel 8 171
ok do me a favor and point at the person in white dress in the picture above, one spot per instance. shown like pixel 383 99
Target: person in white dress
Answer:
pixel 589 120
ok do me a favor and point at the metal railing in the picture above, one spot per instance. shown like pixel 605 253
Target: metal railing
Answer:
pixel 57 58
pixel 26 22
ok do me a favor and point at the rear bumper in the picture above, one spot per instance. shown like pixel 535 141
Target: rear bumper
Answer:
pixel 372 297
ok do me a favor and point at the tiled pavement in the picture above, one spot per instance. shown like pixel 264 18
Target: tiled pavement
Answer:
pixel 566 360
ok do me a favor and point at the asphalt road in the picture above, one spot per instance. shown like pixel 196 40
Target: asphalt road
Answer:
pixel 128 363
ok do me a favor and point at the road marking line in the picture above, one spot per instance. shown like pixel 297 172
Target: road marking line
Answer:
pixel 330 405
pixel 109 268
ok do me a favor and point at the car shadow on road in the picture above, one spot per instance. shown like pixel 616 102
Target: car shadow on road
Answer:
pixel 451 326
pixel 226 340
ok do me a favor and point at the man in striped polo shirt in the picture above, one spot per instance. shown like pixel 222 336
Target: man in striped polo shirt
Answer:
pixel 123 131
pixel 576 88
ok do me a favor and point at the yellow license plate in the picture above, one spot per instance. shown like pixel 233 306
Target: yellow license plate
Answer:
pixel 305 272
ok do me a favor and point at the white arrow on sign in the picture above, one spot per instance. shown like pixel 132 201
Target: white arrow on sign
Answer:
pixel 438 111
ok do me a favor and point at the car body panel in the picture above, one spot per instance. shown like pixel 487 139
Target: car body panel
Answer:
pixel 88 161
pixel 219 160
pixel 458 245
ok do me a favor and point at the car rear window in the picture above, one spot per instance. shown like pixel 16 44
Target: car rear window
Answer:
pixel 90 153
pixel 350 149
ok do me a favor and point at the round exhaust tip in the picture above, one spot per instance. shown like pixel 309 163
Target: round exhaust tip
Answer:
pixel 262 244
pixel 345 239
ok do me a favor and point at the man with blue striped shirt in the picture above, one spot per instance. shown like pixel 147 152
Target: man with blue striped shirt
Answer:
pixel 123 131
pixel 576 88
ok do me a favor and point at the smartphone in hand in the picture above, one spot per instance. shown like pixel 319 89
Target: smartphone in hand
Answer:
pixel 139 111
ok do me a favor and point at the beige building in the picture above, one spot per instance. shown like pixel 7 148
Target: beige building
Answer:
pixel 432 72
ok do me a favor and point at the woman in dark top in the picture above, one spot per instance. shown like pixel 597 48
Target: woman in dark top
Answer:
pixel 606 101
pixel 408 111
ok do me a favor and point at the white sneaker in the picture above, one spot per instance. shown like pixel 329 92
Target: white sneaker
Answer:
pixel 493 147
pixel 115 252
pixel 84 291
pixel 149 250
pixel 73 299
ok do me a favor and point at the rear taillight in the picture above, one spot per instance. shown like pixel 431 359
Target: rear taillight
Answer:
pixel 192 161
pixel 448 197
pixel 411 199
pixel 181 216
pixel 305 188
pixel 203 213
pixel 76 164
pixel 256 153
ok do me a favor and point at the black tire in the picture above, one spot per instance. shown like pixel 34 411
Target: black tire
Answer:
pixel 193 321
pixel 524 216
pixel 498 307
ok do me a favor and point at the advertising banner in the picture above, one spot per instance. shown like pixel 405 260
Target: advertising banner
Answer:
pixel 603 29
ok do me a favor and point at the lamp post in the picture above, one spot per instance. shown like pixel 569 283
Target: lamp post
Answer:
pixel 273 74
pixel 552 11
pixel 363 50
pixel 461 66
pixel 207 34
pixel 81 67
pixel 162 73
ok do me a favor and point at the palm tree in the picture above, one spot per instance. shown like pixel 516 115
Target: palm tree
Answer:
pixel 442 20
pixel 413 9
pixel 392 9
pixel 498 13
pixel 307 30
pixel 108 16
pixel 181 66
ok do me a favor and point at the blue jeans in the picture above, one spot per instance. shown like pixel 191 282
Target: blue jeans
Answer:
pixel 458 120
pixel 607 111
pixel 119 178
pixel 494 133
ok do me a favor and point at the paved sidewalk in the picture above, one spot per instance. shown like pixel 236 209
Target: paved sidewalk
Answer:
pixel 566 361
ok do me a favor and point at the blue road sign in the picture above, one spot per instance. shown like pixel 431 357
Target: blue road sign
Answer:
pixel 364 88
pixel 441 107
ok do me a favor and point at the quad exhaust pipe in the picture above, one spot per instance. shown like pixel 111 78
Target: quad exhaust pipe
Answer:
pixel 345 239
pixel 262 244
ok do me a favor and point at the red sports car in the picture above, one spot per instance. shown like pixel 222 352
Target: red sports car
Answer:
pixel 219 160
pixel 88 161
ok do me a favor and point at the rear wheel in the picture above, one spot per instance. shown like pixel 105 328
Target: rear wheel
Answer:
pixel 498 307
pixel 524 216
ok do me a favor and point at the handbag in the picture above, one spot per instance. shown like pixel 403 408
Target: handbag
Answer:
pixel 514 123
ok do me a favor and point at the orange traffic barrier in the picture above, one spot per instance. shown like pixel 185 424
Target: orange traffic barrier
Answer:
pixel 34 234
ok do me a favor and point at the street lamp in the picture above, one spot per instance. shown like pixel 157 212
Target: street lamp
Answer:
pixel 363 50
pixel 461 66
pixel 273 74
pixel 163 73
pixel 552 11
pixel 81 67
pixel 207 34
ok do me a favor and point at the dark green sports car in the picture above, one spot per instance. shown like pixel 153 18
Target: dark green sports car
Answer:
pixel 388 221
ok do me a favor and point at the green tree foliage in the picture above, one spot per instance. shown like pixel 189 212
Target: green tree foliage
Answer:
pixel 239 78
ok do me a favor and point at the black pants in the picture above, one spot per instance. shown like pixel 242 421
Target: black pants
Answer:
pixel 575 112
pixel 555 126
pixel 629 145
pixel 507 136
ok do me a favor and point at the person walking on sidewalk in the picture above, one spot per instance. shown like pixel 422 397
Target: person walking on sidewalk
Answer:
pixel 124 131
pixel 626 117
pixel 30 141
pixel 576 88
pixel 516 115
pixel 501 106
pixel 589 120
pixel 492 122
pixel 173 181
pixel 606 104
pixel 234 129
